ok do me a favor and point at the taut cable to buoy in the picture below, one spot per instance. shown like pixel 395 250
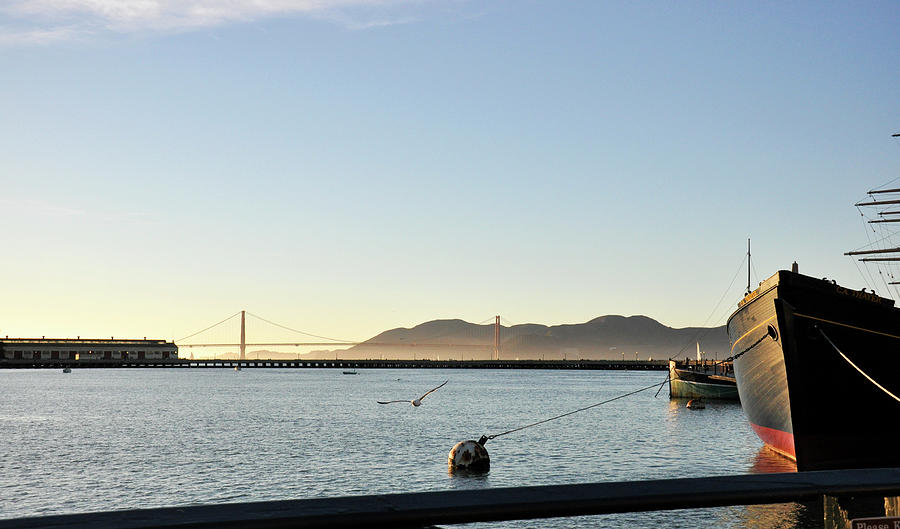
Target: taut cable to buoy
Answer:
pixel 471 457
pixel 486 438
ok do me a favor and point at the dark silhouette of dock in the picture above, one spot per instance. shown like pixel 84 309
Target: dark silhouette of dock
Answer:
pixel 450 507
pixel 183 363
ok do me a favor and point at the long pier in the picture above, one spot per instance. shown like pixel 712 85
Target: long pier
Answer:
pixel 350 365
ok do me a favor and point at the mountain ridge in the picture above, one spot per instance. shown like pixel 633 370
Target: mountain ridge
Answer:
pixel 604 337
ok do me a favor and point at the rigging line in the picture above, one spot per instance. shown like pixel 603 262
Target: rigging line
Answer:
pixel 870 282
pixel 886 184
pixel 866 230
pixel 869 245
pixel 724 315
pixel 896 292
pixel 578 410
pixel 701 334
pixel 884 281
pixel 755 273
pixel 893 291
pixel 858 269
pixel 722 319
pixel 867 195
pixel 871 277
pixel 863 373
pixel 887 287
pixel 733 279
pixel 208 328
pixel 295 330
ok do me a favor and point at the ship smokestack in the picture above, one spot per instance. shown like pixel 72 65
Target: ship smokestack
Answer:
pixel 794 268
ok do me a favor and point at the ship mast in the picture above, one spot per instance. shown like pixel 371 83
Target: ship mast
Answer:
pixel 875 202
pixel 748 266
pixel 888 204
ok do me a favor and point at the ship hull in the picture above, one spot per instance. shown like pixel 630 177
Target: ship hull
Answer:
pixel 818 372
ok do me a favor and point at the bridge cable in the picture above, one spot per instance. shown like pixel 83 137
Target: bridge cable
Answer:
pixel 208 328
pixel 301 332
pixel 486 438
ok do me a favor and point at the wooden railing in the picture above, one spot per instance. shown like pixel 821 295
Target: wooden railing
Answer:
pixel 424 509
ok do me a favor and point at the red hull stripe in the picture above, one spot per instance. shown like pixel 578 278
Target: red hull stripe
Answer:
pixel 779 441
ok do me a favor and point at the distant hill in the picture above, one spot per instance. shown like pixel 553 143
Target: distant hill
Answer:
pixel 606 337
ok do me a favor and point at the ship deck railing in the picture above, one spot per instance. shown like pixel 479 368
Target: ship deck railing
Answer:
pixel 708 367
pixel 428 509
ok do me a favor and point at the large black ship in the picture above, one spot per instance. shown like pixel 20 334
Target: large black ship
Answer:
pixel 817 364
pixel 818 371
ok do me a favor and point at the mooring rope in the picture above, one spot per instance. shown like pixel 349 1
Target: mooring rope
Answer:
pixel 668 380
pixel 485 438
pixel 747 350
pixel 729 359
pixel 861 372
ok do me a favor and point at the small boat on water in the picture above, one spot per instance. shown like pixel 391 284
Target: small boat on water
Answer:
pixel 354 372
pixel 709 380
pixel 67 370
pixel 817 365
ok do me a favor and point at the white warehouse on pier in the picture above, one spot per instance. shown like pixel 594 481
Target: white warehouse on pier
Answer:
pixel 49 349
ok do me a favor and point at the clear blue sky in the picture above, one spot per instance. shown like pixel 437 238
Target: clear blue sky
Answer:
pixel 353 166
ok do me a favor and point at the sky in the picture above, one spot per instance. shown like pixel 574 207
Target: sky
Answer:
pixel 351 166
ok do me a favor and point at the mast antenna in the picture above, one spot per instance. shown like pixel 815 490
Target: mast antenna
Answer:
pixel 748 266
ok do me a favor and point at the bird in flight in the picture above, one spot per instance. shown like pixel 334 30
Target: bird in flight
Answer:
pixel 415 402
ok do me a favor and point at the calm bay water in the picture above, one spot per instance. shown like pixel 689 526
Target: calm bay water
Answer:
pixel 105 439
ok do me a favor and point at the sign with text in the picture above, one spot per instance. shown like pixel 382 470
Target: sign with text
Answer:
pixel 892 522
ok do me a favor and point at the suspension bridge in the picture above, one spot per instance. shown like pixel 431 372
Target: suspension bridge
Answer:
pixel 473 342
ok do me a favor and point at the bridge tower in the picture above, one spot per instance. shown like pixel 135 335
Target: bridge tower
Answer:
pixel 497 338
pixel 243 336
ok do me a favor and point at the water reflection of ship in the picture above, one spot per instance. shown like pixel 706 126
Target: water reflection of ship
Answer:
pixel 778 515
pixel 782 516
pixel 767 461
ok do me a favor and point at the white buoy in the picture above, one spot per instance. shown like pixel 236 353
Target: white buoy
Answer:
pixel 469 456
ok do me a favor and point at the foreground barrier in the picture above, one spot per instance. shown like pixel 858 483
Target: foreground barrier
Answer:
pixel 424 509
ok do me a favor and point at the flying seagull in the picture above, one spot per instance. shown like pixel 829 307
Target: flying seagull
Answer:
pixel 414 402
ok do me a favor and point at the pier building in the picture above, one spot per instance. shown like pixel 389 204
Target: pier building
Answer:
pixel 49 349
